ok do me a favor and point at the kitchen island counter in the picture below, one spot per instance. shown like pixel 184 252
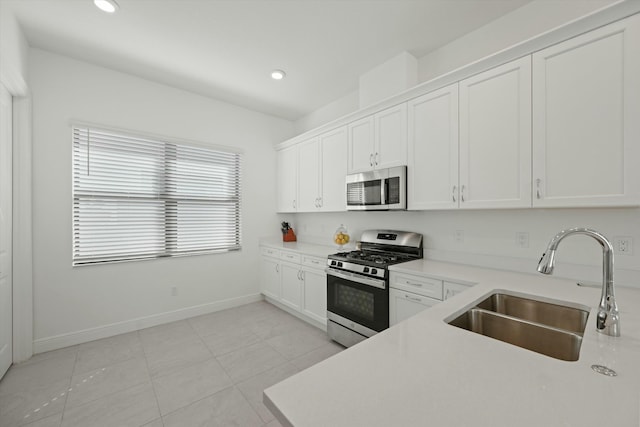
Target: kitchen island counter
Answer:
pixel 424 371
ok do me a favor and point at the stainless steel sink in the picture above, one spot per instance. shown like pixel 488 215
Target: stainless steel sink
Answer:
pixel 550 329
pixel 554 315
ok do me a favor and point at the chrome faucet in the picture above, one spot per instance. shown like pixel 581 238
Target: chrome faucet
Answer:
pixel 608 320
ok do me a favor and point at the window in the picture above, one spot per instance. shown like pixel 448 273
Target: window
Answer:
pixel 140 198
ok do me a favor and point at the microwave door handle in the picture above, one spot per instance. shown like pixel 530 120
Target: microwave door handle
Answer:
pixel 384 184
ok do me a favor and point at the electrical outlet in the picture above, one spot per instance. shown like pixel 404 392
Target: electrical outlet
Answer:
pixel 174 291
pixel 623 245
pixel 459 236
pixel 522 239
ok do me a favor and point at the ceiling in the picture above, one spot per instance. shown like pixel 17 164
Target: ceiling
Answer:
pixel 226 49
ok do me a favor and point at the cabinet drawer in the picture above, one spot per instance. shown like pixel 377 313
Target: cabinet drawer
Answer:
pixel 424 286
pixel 314 262
pixel 290 256
pixel 270 252
pixel 403 305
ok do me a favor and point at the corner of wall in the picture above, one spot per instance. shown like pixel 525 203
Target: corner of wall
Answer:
pixel 14 49
pixel 332 111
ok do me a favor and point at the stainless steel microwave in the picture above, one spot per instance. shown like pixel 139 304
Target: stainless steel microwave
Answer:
pixel 382 189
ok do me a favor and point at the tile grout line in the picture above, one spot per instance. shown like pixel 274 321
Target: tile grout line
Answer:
pixel 66 397
pixel 153 387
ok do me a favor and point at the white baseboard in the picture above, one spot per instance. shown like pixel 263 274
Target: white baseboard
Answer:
pixel 65 340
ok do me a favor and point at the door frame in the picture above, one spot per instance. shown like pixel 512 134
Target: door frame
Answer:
pixel 22 245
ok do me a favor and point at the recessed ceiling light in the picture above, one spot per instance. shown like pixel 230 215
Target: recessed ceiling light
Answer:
pixel 109 6
pixel 278 74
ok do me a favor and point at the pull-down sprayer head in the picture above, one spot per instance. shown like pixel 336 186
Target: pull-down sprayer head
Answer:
pixel 546 263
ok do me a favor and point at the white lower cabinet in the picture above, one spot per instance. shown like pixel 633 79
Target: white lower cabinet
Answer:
pixel 291 285
pixel 270 274
pixel 403 304
pixel 295 281
pixel 314 299
pixel 410 294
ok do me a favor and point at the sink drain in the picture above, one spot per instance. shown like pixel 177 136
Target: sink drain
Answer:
pixel 604 370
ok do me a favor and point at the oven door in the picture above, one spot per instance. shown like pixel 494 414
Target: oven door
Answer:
pixel 357 299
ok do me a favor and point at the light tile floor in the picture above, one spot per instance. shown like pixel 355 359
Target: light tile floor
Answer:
pixel 205 371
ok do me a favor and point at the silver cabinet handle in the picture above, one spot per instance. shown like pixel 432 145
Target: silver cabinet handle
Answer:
pixel 371 159
pixel 277 268
pixel 376 159
pixel 301 275
pixel 412 298
pixel 538 196
pixel 320 202
pixel 453 193
pixel 419 285
pixel 316 203
pixel 462 193
pixel 294 203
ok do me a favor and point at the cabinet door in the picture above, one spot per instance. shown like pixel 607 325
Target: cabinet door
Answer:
pixel 586 119
pixel 403 305
pixel 333 194
pixel 309 176
pixel 270 278
pixel 287 177
pixel 495 137
pixel 291 285
pixel 314 302
pixel 391 137
pixel 432 171
pixel 361 145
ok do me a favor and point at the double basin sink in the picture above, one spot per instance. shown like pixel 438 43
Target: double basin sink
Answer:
pixel 551 329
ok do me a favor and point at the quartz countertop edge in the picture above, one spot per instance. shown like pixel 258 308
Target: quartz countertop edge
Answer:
pixel 306 248
pixel 424 371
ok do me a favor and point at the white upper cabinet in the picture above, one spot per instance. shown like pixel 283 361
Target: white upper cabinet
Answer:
pixel 378 141
pixel 322 168
pixel 333 148
pixel 432 172
pixel 391 137
pixel 586 119
pixel 495 137
pixel 361 145
pixel 287 177
pixel 309 189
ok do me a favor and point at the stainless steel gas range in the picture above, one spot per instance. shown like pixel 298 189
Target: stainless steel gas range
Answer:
pixel 358 283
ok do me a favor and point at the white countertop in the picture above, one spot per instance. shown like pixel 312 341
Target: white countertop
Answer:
pixel 426 372
pixel 301 247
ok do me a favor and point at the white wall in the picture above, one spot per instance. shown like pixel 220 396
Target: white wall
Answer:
pixel 334 110
pixel 75 304
pixel 13 53
pixel 534 18
pixel 490 236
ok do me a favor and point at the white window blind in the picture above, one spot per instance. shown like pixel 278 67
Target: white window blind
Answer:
pixel 139 198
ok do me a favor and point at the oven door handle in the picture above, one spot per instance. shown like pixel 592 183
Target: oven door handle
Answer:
pixel 377 283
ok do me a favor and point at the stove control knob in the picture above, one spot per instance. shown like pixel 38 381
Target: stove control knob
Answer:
pixel 333 263
pixel 365 270
pixel 339 264
pixel 374 271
